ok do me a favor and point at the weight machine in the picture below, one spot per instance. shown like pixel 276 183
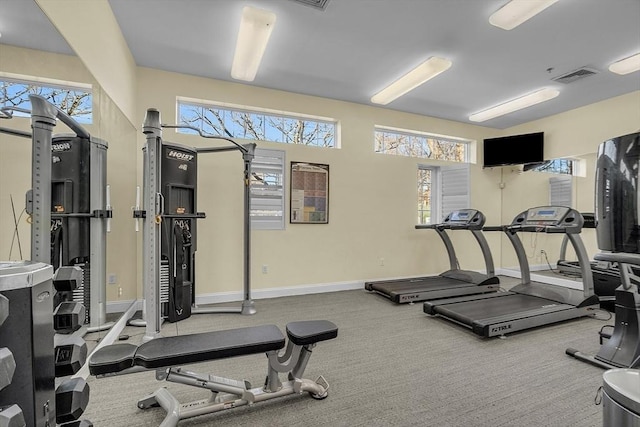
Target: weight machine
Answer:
pixel 72 238
pixel 69 204
pixel 169 219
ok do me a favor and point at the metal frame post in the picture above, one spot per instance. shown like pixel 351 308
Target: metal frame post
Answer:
pixel 43 120
pixel 152 223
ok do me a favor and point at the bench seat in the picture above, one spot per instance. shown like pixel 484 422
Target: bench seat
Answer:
pixel 186 349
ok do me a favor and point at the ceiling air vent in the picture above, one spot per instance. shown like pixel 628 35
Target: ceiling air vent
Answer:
pixel 575 75
pixel 317 4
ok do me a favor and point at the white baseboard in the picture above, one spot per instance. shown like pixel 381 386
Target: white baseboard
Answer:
pixel 287 291
pixel 122 306
pixel 237 296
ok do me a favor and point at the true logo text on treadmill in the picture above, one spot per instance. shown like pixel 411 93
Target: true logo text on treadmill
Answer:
pixel 500 328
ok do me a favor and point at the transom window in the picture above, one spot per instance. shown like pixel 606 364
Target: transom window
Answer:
pixel 257 125
pixel 77 102
pixel 558 166
pixel 423 145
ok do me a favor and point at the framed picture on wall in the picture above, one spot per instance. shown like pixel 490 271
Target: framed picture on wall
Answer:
pixel 309 202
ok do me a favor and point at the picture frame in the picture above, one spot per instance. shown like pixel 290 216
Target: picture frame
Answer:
pixel 309 195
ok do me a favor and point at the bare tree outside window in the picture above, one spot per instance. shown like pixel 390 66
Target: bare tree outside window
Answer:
pixel 420 145
pixel 557 166
pixel 424 196
pixel 76 102
pixel 257 125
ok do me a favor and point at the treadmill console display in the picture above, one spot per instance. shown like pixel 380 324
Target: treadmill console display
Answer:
pixel 463 216
pixel 547 215
pixel 550 219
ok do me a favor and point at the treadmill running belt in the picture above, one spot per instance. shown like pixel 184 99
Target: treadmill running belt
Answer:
pixel 480 311
pixel 433 283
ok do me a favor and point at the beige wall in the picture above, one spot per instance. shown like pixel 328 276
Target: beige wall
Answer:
pixel 87 24
pixel 372 196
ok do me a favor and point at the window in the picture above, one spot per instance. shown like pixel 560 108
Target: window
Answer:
pixel 561 191
pixel 267 189
pixel 426 177
pixel 441 190
pixel 257 125
pixel 424 145
pixel 75 101
pixel 559 166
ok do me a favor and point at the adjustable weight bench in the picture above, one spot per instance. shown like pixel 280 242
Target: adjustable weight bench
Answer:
pixel 165 353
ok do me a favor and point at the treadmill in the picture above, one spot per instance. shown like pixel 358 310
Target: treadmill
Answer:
pixel 528 304
pixel 453 282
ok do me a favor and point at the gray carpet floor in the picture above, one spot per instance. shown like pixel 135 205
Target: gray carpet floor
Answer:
pixel 391 365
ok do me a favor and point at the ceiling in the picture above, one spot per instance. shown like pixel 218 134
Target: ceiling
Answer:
pixel 354 48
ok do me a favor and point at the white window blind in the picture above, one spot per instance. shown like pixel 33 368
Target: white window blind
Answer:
pixel 267 189
pixel 454 188
pixel 561 191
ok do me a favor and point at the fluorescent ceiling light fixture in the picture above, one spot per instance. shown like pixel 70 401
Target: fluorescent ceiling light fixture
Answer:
pixel 515 105
pixel 627 65
pixel 255 28
pixel 516 12
pixel 414 78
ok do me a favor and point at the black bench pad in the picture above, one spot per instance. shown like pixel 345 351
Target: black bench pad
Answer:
pixel 311 331
pixel 112 358
pixel 186 349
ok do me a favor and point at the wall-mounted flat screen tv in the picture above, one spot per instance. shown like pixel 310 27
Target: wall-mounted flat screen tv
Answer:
pixel 514 150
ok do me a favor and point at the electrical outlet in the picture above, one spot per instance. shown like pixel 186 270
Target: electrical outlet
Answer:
pixel 381 262
pixel 265 269
pixel 119 292
pixel 112 279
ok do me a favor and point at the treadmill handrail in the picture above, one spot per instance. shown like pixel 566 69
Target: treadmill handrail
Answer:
pixel 476 230
pixel 426 226
pixel 494 228
pixel 543 229
pixel 619 257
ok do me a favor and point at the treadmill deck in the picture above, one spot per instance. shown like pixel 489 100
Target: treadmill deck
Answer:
pixel 502 313
pixel 428 288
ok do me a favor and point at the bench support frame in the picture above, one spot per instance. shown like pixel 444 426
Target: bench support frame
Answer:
pixel 230 393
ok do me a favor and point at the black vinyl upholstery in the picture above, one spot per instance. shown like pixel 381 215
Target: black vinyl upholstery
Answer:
pixel 311 331
pixel 186 349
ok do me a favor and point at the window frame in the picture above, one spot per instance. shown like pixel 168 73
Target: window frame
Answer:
pixel 426 135
pixel 435 196
pixel 47 84
pixel 266 113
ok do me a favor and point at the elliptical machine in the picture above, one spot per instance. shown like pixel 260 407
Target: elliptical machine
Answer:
pixel 618 231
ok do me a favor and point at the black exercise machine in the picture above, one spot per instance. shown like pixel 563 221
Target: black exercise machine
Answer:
pixel 618 231
pixel 169 218
pixel 528 304
pixel 164 354
pixel 453 282
pixel 79 213
pixel 42 389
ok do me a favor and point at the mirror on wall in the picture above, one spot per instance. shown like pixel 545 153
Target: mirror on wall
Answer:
pixel 64 79
pixel 526 189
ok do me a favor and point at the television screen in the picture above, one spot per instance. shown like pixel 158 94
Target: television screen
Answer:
pixel 514 150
